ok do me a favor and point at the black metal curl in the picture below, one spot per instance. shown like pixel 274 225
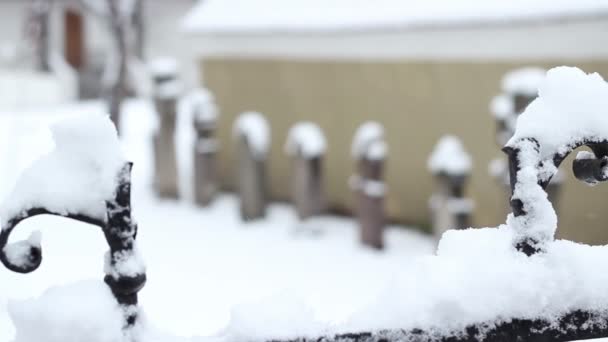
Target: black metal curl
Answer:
pixel 119 230
pixel 589 170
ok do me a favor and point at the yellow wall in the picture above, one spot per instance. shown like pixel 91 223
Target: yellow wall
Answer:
pixel 417 102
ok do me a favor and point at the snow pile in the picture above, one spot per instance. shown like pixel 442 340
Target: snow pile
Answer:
pixel 281 316
pixel 571 107
pixel 219 16
pixel 449 157
pixel 305 139
pixel 525 81
pixel 254 127
pixel 84 311
pixel 77 177
pixel 162 67
pixel 200 105
pixel 369 142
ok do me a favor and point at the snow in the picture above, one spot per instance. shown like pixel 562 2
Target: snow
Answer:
pixel 571 106
pixel 169 89
pixel 18 253
pixel 369 142
pixel 93 315
pixel 502 107
pixel 296 16
pixel 76 177
pixel 200 105
pixel 163 67
pixel 306 139
pixel 254 127
pixel 460 205
pixel 20 88
pixel 449 157
pixel 524 81
pixel 126 264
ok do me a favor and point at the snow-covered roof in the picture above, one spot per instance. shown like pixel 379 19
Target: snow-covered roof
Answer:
pixel 304 16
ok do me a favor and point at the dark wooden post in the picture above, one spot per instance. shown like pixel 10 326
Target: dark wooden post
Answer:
pixel 252 139
pixel 451 166
pixel 204 114
pixel 306 146
pixel 167 90
pixel 369 151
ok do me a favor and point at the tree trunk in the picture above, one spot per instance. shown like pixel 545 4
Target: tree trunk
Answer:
pixel 39 31
pixel 118 87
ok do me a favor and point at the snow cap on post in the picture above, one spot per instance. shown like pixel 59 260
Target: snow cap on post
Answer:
pixel 305 139
pixel 163 67
pixel 199 104
pixel 369 142
pixel 253 126
pixel 524 81
pixel 449 158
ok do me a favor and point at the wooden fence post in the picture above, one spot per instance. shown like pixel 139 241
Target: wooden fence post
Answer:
pixel 204 116
pixel 306 146
pixel 252 139
pixel 166 93
pixel 451 166
pixel 369 150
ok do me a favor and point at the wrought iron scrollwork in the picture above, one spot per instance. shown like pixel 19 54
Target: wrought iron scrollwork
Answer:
pixel 120 231
pixel 591 168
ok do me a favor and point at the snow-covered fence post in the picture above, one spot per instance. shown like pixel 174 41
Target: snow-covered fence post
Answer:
pixel 369 150
pixel 204 115
pixel 252 138
pixel 520 88
pixel 166 94
pixel 85 179
pixel 306 146
pixel 451 166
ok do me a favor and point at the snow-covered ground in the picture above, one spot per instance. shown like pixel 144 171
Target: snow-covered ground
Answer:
pixel 204 265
